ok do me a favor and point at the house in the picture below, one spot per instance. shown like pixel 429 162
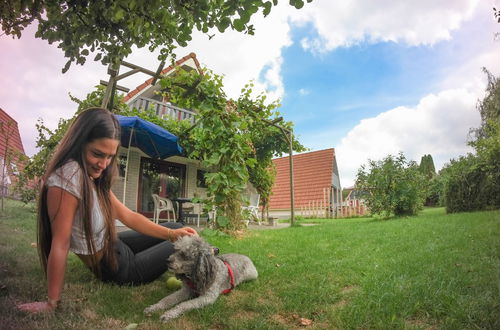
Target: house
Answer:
pixel 11 153
pixel 172 177
pixel 316 183
pixel 354 200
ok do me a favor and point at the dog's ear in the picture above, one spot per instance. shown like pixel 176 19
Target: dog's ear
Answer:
pixel 204 272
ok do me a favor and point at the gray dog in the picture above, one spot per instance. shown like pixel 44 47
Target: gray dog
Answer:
pixel 204 276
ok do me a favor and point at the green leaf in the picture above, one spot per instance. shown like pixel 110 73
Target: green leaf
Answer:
pixel 223 24
pixel 119 14
pixel 222 221
pixel 66 66
pixel 299 4
pixel 238 25
pixel 267 8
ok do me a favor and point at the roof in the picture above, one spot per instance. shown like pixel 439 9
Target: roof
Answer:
pixel 148 82
pixel 11 134
pixel 313 171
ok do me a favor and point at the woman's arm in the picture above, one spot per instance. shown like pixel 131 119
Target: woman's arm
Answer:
pixel 140 223
pixel 61 207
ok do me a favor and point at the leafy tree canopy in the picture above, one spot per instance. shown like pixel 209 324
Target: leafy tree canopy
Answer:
pixel 110 28
pixel 394 186
pixel 427 167
pixel 232 137
pixel 472 182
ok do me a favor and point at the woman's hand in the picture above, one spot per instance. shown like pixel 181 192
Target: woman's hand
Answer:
pixel 184 231
pixel 37 307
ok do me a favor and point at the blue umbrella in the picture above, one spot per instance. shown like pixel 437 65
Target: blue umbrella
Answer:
pixel 153 140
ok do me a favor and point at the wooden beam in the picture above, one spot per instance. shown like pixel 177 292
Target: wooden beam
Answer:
pixel 118 87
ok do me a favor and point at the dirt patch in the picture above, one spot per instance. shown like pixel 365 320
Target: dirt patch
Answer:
pixel 295 321
pixel 236 296
pixel 89 314
pixel 339 304
pixel 284 320
pixel 349 289
pixel 347 293
pixel 244 315
pixel 268 298
pixel 422 324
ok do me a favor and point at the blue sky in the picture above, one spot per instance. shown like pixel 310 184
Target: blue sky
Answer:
pixel 366 78
pixel 352 83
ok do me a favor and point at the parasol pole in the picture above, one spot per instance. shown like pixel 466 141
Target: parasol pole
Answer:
pixel 126 166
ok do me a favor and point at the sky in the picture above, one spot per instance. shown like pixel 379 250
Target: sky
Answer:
pixel 366 78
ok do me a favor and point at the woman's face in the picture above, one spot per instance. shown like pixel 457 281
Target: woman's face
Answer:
pixel 98 154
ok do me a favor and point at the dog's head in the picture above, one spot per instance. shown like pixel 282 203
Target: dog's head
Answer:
pixel 194 259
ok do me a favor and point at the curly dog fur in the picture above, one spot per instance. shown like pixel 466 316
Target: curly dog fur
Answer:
pixel 204 275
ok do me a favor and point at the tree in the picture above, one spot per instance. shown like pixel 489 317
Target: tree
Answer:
pixel 473 182
pixel 231 137
pixel 111 28
pixel 393 186
pixel 432 185
pixel 426 166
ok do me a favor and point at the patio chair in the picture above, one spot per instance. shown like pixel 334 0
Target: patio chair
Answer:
pixel 162 204
pixel 253 207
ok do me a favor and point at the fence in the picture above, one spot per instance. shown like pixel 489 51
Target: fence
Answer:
pixel 163 109
pixel 333 206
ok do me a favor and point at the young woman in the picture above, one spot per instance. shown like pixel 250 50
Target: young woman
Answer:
pixel 77 211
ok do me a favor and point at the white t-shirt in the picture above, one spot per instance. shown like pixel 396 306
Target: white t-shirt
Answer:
pixel 69 177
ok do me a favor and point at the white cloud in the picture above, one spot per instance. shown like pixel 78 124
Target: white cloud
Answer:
pixel 345 23
pixel 32 86
pixel 241 58
pixel 304 91
pixel 437 125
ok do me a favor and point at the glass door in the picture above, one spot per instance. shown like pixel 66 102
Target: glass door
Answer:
pixel 162 178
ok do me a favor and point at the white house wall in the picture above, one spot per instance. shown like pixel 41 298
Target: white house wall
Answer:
pixel 132 179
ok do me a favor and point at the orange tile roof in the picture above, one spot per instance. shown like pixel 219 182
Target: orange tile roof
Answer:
pixel 163 72
pixel 12 132
pixel 313 171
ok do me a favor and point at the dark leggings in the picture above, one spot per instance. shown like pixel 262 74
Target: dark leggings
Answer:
pixel 141 258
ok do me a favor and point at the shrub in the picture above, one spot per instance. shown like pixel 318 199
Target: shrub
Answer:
pixel 394 186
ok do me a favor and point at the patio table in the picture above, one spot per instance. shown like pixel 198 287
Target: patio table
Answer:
pixel 181 200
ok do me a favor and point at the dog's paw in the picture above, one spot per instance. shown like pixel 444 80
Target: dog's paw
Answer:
pixel 150 310
pixel 166 317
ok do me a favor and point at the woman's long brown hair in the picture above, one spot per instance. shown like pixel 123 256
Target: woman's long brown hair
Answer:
pixel 90 125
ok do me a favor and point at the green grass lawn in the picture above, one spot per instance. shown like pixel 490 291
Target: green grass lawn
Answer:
pixel 434 271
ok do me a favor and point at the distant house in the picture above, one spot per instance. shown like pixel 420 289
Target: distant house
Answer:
pixel 316 182
pixel 355 199
pixel 11 153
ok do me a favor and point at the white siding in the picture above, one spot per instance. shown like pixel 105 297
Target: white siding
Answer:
pixel 132 179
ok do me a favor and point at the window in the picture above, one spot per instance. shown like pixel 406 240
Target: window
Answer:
pixel 159 177
pixel 122 165
pixel 200 179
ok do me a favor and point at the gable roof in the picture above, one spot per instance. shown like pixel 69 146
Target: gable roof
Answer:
pixel 313 171
pixel 14 138
pixel 147 83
